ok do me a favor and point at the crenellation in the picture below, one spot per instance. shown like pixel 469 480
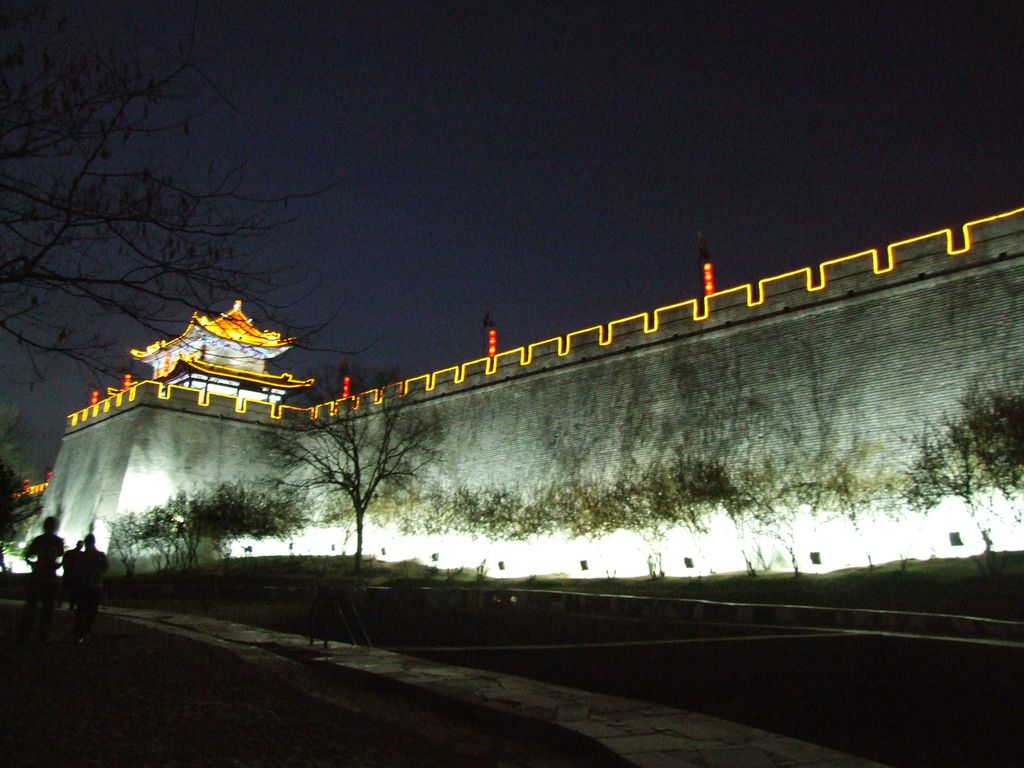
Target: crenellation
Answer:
pixel 419 385
pixel 727 306
pixel 366 399
pixel 837 278
pixel 181 396
pixel 922 254
pixel 507 364
pixel 541 352
pixel 178 398
pixel 791 289
pixel 445 379
pixel 993 237
pixel 675 319
pixel 628 331
pixel 983 240
pixel 251 407
pixel 846 273
pixel 510 359
pixel 474 373
pixel 583 343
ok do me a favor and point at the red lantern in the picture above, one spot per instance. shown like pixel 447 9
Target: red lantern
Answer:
pixel 709 278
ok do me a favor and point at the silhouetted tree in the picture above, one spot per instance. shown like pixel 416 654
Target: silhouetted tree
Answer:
pixel 995 417
pixel 127 540
pixel 234 511
pixel 860 486
pixel 374 443
pixel 161 531
pixel 973 455
pixel 16 508
pixel 99 215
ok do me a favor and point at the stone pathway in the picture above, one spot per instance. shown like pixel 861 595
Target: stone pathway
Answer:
pixel 638 733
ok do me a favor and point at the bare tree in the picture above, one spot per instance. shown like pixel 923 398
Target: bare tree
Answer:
pixel 16 508
pixel 161 530
pixel 975 455
pixel 92 216
pixel 371 444
pixel 995 417
pixel 127 540
pixel 859 486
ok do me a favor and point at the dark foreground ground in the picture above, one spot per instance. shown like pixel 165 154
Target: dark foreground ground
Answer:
pixel 913 703
pixel 134 696
pixel 902 701
pixel 906 702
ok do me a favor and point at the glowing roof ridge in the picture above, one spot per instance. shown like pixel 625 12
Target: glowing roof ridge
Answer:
pixel 231 326
pixel 274 379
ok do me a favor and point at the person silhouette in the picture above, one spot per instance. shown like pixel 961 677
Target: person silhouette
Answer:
pixel 70 578
pixel 91 567
pixel 43 555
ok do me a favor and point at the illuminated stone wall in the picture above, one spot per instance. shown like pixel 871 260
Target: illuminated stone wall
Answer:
pixel 870 357
pixel 136 453
pixel 863 348
pixel 884 346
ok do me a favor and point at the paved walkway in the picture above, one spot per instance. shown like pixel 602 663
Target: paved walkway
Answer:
pixel 147 693
pixel 631 732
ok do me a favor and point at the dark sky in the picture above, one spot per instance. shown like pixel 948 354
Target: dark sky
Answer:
pixel 553 162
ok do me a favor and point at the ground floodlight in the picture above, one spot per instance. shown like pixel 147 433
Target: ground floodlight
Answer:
pixel 955 540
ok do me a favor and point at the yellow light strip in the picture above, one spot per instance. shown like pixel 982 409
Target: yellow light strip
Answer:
pixel 31 490
pixel 203 399
pixel 527 356
pixel 605 334
pixel 699 311
pixel 283 379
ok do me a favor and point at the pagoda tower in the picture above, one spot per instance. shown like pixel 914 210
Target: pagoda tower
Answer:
pixel 225 355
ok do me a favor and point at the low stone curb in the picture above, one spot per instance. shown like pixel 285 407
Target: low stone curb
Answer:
pixel 681 609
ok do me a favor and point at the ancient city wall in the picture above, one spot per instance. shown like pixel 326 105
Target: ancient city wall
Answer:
pixel 136 448
pixel 867 348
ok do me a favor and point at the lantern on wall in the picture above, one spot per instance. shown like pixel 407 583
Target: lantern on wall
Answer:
pixel 706 267
pixel 490 332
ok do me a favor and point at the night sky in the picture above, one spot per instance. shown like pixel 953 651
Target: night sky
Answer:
pixel 553 162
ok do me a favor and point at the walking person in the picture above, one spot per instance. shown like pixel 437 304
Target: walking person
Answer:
pixel 92 565
pixel 43 554
pixel 70 578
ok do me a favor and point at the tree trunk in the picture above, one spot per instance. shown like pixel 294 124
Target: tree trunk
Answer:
pixel 359 540
pixel 991 559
